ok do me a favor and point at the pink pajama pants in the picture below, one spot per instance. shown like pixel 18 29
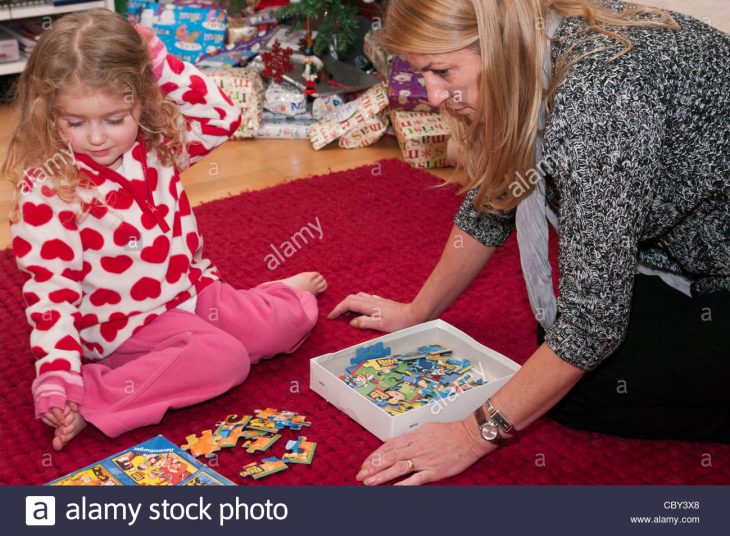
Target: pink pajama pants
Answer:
pixel 180 358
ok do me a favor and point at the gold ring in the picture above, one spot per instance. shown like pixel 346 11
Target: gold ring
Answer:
pixel 411 466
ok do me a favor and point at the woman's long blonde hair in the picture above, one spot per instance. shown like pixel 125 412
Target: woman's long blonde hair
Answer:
pixel 510 37
pixel 99 49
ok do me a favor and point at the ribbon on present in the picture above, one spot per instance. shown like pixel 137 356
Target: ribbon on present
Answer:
pixel 352 115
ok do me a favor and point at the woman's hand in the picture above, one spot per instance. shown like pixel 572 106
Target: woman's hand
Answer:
pixel 376 313
pixel 435 451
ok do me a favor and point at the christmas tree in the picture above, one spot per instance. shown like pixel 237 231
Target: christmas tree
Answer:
pixel 334 21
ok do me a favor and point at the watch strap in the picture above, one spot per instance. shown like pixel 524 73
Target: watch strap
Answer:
pixel 503 421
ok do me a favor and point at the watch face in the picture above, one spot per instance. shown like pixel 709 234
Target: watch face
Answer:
pixel 490 430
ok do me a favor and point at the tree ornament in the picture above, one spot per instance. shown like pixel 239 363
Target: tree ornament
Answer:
pixel 277 62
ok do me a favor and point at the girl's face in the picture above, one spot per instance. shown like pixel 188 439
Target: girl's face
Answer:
pixel 452 78
pixel 101 125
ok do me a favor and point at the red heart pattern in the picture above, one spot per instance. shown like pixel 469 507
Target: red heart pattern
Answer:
pixel 193 242
pixel 146 288
pixel 40 274
pixel 45 320
pixel 176 268
pixel 176 66
pixel 126 234
pixel 116 265
pixel 104 296
pixel 31 298
pixel 68 219
pixel 68 343
pixel 119 199
pixel 56 249
pixel 36 215
pixel 85 321
pixel 116 322
pixel 21 247
pixel 77 275
pixel 91 239
pixel 64 295
pixel 197 92
pixel 157 252
pixel 52 255
pixel 184 206
pixel 56 364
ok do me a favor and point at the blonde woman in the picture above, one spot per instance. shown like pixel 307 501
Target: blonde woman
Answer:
pixel 611 122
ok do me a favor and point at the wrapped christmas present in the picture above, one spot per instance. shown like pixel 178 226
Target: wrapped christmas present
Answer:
pixel 285 100
pixel 422 137
pixel 323 107
pixel 245 88
pixel 378 56
pixel 249 38
pixel 277 126
pixel 407 89
pixel 134 10
pixel 365 133
pixel 188 31
pixel 349 116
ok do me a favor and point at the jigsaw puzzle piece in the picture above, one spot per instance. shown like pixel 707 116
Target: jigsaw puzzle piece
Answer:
pixel 235 420
pixel 301 451
pixel 232 438
pixel 266 467
pixel 206 444
pixel 261 443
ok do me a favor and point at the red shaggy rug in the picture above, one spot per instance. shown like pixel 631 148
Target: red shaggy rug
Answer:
pixel 381 233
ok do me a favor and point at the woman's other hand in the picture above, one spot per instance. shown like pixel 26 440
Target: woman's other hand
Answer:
pixel 433 452
pixel 376 313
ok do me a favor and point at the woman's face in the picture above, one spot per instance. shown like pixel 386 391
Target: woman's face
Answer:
pixel 451 78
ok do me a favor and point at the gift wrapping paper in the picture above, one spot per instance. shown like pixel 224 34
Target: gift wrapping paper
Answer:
pixel 422 137
pixel 407 89
pixel 246 88
pixel 349 116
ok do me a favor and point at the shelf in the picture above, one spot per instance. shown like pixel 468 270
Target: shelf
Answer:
pixel 12 67
pixel 15 13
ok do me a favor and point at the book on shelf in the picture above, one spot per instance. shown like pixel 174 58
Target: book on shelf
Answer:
pixel 18 29
pixel 14 4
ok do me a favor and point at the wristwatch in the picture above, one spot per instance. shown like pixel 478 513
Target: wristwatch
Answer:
pixel 491 423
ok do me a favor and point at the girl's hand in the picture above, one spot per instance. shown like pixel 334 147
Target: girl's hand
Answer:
pixel 56 418
pixel 436 451
pixel 377 313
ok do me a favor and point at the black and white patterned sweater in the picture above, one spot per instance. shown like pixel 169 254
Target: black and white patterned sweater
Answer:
pixel 637 160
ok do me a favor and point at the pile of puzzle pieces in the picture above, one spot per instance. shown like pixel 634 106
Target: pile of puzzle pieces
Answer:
pixel 400 382
pixel 258 433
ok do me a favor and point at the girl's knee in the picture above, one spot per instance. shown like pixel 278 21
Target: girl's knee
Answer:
pixel 230 361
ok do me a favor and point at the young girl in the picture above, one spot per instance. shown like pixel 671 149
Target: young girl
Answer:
pixel 104 229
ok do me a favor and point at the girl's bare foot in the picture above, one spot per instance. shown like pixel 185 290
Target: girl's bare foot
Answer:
pixel 313 282
pixel 74 423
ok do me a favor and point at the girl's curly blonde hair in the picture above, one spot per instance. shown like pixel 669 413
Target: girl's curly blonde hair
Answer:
pixel 101 50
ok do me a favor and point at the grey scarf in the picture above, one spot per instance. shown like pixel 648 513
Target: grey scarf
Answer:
pixel 531 218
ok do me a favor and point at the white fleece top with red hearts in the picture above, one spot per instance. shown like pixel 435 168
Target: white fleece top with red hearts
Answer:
pixel 96 281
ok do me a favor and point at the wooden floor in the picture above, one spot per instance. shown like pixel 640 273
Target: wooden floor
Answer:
pixel 250 165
